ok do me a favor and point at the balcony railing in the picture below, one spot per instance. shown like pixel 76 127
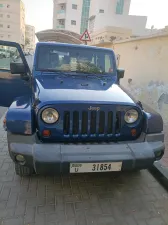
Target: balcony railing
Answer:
pixel 60 26
pixel 62 11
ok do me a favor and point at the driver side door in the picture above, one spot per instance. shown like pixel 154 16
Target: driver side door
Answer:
pixel 15 74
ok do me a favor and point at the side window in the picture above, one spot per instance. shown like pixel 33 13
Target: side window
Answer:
pixel 108 64
pixel 7 56
pixel 74 6
pixel 101 10
pixel 73 22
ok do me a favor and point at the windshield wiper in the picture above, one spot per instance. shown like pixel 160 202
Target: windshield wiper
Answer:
pixel 52 70
pixel 92 75
pixel 77 73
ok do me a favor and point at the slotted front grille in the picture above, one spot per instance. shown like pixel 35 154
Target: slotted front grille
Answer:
pixel 91 123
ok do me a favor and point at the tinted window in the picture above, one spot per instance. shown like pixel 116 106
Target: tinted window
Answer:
pixel 75 59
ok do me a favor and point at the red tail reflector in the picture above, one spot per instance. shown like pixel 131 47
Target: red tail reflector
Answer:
pixel 46 133
pixel 133 132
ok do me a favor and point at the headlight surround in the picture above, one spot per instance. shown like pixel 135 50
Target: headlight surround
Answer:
pixel 131 116
pixel 50 115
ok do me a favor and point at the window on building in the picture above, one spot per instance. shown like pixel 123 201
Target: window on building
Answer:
pixel 1 5
pixel 74 6
pixel 73 22
pixel 61 22
pixel 1 25
pixel 85 15
pixel 8 6
pixel 9 36
pixel 8 16
pixel 120 7
pixel 101 10
pixel 8 26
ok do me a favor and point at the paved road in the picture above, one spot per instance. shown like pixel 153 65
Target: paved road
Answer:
pixel 104 199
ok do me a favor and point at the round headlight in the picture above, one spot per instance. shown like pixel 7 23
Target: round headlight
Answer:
pixel 131 116
pixel 50 115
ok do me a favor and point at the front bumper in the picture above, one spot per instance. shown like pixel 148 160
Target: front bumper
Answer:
pixel 56 158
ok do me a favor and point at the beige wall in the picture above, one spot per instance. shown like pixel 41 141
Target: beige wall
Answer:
pixel 103 36
pixel 146 62
pixel 12 21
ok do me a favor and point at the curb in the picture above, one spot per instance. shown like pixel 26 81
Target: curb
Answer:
pixel 160 172
pixel 162 169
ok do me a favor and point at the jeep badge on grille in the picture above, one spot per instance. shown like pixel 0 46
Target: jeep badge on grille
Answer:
pixel 94 108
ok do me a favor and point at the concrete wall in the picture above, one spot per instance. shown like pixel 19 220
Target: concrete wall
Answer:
pixel 108 6
pixel 109 17
pixel 146 65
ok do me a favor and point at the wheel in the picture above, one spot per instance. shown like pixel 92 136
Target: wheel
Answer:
pixel 23 170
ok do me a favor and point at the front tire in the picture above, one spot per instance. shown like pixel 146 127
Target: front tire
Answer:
pixel 23 170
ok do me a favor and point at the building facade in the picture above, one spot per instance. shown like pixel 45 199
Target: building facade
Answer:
pixel 107 7
pixel 115 13
pixel 12 21
pixel 105 37
pixel 30 37
pixel 85 15
pixel 71 15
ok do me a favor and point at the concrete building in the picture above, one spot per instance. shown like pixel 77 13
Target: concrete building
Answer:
pixel 30 38
pixel 12 21
pixel 71 15
pixel 105 37
pixel 116 14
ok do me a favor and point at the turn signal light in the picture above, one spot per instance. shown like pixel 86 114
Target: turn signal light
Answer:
pixel 46 133
pixel 133 132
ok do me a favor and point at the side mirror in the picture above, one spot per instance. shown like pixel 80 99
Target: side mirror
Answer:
pixel 120 73
pixel 17 68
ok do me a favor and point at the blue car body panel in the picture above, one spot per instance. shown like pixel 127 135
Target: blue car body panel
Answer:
pixel 20 118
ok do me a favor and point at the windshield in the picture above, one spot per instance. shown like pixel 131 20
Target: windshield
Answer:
pixel 75 59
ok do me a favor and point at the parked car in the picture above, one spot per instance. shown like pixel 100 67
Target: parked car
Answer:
pixel 69 114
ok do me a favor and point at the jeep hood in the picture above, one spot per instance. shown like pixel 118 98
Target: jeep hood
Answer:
pixel 53 89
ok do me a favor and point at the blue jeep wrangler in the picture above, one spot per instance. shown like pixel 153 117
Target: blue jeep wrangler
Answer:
pixel 69 114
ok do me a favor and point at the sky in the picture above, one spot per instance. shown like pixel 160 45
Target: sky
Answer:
pixel 40 13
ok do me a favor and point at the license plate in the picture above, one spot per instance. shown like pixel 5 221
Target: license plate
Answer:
pixel 95 167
